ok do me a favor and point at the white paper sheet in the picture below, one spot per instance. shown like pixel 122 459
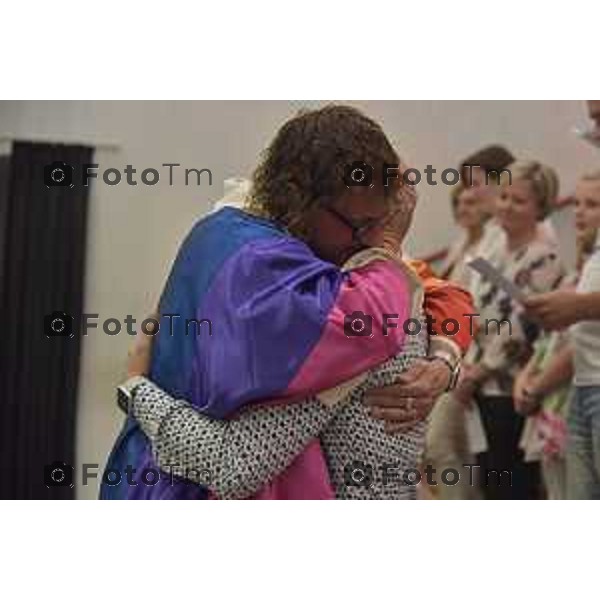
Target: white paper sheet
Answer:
pixel 490 273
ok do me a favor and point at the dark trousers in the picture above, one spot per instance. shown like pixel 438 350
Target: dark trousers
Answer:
pixel 503 474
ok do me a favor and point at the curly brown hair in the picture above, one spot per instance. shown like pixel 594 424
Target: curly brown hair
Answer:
pixel 304 165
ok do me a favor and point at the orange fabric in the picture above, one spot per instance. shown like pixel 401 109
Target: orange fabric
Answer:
pixel 446 300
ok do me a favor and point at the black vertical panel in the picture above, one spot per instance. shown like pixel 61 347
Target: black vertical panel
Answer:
pixel 42 257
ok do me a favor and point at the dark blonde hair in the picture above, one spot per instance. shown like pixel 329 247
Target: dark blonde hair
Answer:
pixel 542 179
pixel 304 164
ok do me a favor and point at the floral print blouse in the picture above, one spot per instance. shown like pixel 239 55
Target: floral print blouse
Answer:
pixel 504 340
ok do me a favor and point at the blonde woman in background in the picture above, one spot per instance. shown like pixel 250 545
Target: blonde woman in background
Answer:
pixel 504 342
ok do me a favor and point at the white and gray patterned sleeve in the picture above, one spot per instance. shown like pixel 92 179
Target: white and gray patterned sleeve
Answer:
pixel 233 458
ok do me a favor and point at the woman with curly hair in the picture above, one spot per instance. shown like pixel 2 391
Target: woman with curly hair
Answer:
pixel 307 296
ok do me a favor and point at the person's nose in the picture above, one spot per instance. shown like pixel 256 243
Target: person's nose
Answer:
pixel 468 194
pixel 503 205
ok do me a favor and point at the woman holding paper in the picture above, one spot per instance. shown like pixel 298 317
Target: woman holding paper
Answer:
pixel 504 341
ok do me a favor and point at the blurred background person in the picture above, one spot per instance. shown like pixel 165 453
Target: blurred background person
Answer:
pixel 448 442
pixel 481 174
pixel 470 215
pixel 557 310
pixel 477 171
pixel 583 448
pixel 592 133
pixel 541 393
pixel 593 107
pixel 544 387
pixel 504 341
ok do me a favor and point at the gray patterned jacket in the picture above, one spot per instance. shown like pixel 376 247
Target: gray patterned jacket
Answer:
pixel 241 455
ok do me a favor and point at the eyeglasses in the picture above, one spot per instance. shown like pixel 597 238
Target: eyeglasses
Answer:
pixel 359 230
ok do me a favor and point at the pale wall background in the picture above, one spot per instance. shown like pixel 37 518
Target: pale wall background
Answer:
pixel 134 232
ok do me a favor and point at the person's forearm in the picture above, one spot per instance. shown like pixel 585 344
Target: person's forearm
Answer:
pixel 588 306
pixel 558 372
pixel 238 456
pixel 529 369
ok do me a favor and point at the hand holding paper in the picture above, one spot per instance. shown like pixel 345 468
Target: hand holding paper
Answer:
pixel 487 270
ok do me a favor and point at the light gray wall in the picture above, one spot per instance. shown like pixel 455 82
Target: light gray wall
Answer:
pixel 134 231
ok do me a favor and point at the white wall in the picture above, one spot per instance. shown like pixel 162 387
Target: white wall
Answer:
pixel 134 231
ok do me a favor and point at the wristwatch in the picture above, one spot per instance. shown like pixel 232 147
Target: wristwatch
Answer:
pixel 126 391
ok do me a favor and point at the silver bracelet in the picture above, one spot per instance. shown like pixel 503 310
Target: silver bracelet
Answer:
pixel 454 369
